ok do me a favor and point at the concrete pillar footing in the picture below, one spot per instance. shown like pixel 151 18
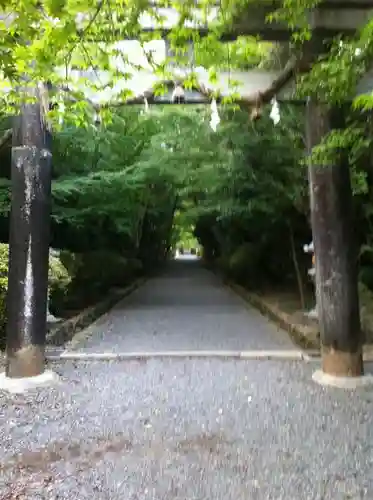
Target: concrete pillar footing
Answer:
pixel 350 383
pixel 22 385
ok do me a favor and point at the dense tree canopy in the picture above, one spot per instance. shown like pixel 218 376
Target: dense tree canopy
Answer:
pixel 118 184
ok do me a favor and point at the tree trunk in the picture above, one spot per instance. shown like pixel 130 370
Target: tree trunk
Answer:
pixel 29 241
pixel 335 253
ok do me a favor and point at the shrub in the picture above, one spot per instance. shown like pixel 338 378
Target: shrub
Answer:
pixel 222 262
pixel 71 261
pixel 58 283
pixel 243 264
pixel 366 276
pixel 102 270
pixel 92 274
pixel 134 268
pixel 3 311
pixel 57 272
pixel 58 280
pixel 4 255
pixel 58 296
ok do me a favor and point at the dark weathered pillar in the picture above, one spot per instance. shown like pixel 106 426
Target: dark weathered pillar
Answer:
pixel 29 241
pixel 335 253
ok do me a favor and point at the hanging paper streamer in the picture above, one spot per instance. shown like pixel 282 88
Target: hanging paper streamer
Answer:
pixel 97 120
pixel 215 118
pixel 146 105
pixel 61 111
pixel 178 95
pixel 275 112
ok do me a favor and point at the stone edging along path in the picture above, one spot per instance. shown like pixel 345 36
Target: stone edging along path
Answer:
pixel 299 333
pixel 66 331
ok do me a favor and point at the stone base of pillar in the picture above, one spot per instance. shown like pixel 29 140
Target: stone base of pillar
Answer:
pixel 29 361
pixel 342 369
pixel 322 378
pixel 22 385
pixel 342 364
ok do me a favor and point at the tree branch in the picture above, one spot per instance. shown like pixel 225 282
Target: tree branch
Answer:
pixel 290 70
pixel 294 65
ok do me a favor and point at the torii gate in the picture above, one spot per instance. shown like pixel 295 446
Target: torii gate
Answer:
pixel 29 236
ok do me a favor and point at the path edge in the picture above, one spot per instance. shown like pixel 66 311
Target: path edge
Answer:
pixel 296 332
pixel 66 332
pixel 297 335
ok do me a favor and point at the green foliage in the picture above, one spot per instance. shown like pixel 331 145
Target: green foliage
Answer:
pixel 243 264
pixel 4 255
pixel 58 296
pixel 64 36
pixel 58 279
pixel 244 53
pixel 117 188
pixel 104 269
pixel 70 261
pixel 90 275
pixel 250 184
pixel 366 277
pixel 183 233
pixel 58 284
pixel 57 272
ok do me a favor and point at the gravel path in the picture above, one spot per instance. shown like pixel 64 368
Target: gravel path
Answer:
pixel 187 308
pixel 187 430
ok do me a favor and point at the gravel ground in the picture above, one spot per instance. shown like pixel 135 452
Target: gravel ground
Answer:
pixel 187 308
pixel 187 429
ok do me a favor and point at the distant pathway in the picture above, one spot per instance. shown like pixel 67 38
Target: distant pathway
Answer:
pixel 187 308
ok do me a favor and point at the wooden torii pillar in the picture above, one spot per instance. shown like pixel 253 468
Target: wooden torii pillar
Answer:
pixel 335 251
pixel 29 242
